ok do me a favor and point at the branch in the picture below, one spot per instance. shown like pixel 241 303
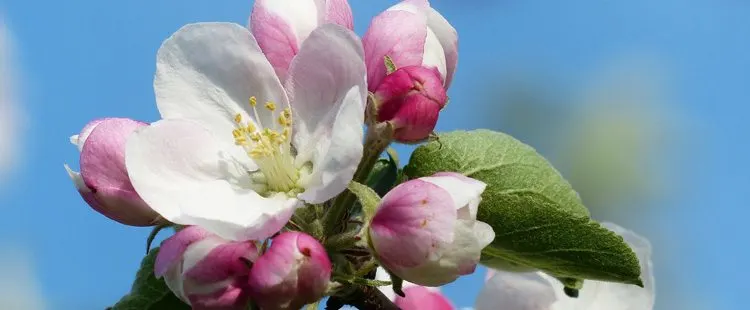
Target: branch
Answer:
pixel 363 298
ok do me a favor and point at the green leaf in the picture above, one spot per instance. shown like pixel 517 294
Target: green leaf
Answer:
pixel 384 174
pixel 367 197
pixel 538 219
pixel 148 292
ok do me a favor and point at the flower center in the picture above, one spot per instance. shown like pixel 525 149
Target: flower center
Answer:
pixel 269 148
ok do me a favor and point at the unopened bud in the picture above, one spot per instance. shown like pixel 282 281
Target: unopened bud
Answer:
pixel 295 271
pixel 206 271
pixel 435 219
pixel 103 181
pixel 411 99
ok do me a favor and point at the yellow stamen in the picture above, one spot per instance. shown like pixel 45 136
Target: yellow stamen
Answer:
pixel 269 147
pixel 271 106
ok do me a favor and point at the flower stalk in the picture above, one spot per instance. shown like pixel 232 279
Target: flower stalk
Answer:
pixel 378 137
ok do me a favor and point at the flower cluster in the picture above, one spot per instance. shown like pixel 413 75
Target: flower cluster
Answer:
pixel 261 133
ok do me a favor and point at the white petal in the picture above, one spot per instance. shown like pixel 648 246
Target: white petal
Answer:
pixel 446 34
pixel 328 91
pixel 516 291
pixel 207 72
pixel 188 177
pixel 174 280
pixel 470 238
pixel 466 192
pixel 434 52
pixel 434 55
pixel 617 296
pixel 77 179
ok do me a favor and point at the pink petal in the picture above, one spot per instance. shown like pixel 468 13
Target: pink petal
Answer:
pixel 339 12
pixel 103 156
pixel 398 34
pixel 103 171
pixel 293 272
pixel 315 274
pixel 275 37
pixel 448 38
pixel 420 297
pixel 231 297
pixel 80 139
pixel 328 98
pixel 171 249
pixel 415 215
pixel 223 262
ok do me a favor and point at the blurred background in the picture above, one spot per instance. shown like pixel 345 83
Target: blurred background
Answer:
pixel 641 104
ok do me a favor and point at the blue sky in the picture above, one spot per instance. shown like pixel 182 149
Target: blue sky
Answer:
pixel 85 59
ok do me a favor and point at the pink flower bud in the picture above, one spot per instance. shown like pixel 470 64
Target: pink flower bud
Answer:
pixel 280 26
pixel 411 99
pixel 206 271
pixel 435 219
pixel 417 297
pixel 411 33
pixel 103 181
pixel 420 297
pixel 295 271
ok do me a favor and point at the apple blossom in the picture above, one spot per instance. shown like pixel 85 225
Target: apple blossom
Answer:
pixel 411 99
pixel 538 291
pixel 293 272
pixel 236 152
pixel 417 297
pixel 411 33
pixel 435 218
pixel 103 181
pixel 206 271
pixel 280 26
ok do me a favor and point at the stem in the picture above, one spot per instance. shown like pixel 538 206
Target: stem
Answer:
pixel 379 136
pixel 364 298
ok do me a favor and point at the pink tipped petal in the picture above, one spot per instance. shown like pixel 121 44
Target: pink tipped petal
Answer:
pixel 340 13
pixel 315 275
pixel 103 182
pixel 171 249
pixel 80 138
pixel 448 38
pixel 441 45
pixel 440 253
pixel 206 271
pixel 398 34
pixel 275 37
pixel 103 158
pixel 224 261
pixel 293 272
pixel 231 297
pixel 419 297
pixel 328 92
pixel 416 215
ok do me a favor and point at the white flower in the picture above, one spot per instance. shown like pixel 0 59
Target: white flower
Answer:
pixel 538 291
pixel 236 152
